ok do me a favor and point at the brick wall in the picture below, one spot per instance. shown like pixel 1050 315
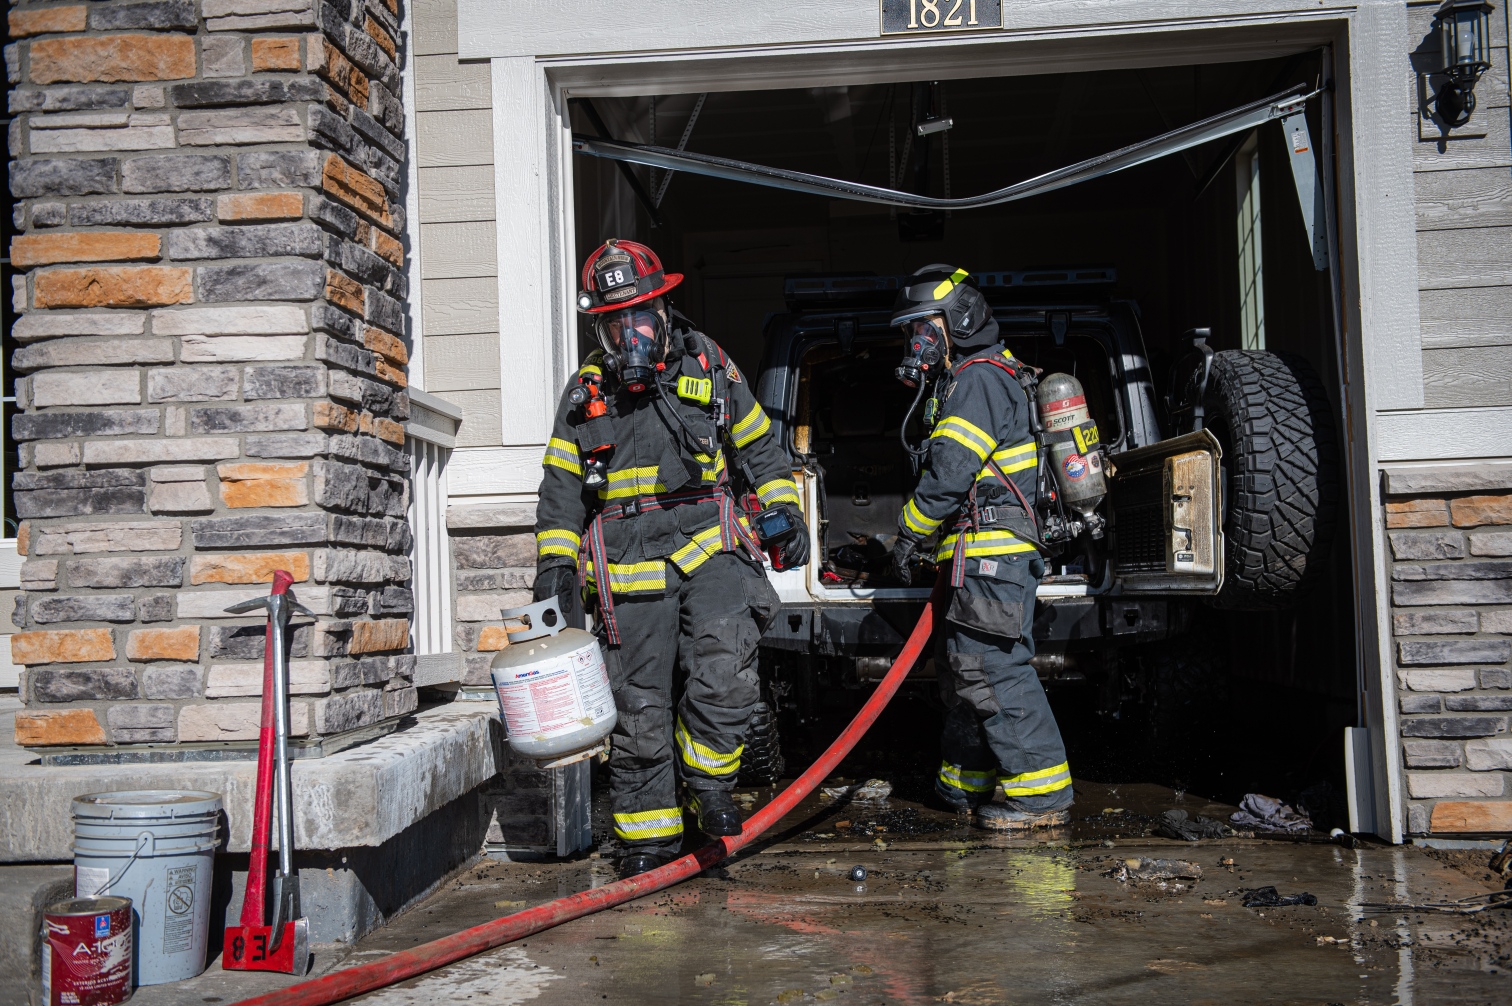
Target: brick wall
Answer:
pixel 1451 596
pixel 208 195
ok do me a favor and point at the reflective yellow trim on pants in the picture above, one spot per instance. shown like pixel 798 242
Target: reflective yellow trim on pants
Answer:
pixel 983 543
pixel 698 549
pixel 752 426
pixel 632 482
pixel 973 438
pixel 777 491
pixel 1045 780
pixel 915 521
pixel 558 541
pixel 705 758
pixel 966 780
pixel 643 824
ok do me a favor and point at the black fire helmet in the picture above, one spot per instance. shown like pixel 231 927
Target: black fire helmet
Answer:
pixel 947 291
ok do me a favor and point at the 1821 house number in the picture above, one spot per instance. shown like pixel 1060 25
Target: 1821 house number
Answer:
pixel 903 17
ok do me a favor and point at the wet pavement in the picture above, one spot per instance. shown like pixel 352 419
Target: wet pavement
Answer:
pixel 951 914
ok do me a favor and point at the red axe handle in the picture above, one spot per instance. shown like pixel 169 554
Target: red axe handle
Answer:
pixel 256 899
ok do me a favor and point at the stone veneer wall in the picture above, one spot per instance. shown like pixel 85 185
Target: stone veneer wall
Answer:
pixel 1451 596
pixel 493 556
pixel 210 194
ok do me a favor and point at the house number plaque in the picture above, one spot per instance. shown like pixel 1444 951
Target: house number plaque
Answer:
pixel 917 17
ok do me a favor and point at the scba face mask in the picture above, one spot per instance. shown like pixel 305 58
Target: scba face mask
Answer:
pixel 635 344
pixel 923 350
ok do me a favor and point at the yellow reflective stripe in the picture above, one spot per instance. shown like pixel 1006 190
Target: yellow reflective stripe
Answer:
pixel 983 543
pixel 777 491
pixel 661 823
pixel 695 389
pixel 632 482
pixel 1027 455
pixel 562 454
pixel 967 780
pixel 972 437
pixel 950 284
pixel 711 474
pixel 698 549
pixel 752 426
pixel 1045 780
pixel 705 758
pixel 631 577
pixel 557 541
pixel 915 520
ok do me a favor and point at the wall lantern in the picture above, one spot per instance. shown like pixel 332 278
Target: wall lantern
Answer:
pixel 1464 28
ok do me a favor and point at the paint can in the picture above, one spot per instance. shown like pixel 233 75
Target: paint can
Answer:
pixel 86 952
pixel 156 847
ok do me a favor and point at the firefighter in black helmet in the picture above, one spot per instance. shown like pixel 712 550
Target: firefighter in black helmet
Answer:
pixel 976 499
pixel 638 509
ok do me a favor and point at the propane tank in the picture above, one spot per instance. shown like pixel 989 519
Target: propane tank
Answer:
pixel 1072 442
pixel 553 687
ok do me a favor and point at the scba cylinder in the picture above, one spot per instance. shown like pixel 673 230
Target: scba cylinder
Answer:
pixel 553 687
pixel 1072 441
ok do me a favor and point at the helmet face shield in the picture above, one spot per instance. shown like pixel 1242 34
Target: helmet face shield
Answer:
pixel 634 341
pixel 924 347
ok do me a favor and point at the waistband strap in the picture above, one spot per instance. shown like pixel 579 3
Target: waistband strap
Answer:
pixel 733 533
pixel 646 504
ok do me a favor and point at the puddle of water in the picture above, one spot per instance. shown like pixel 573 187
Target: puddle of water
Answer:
pixel 503 978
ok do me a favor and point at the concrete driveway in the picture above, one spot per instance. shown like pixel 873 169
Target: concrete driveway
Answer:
pixel 951 915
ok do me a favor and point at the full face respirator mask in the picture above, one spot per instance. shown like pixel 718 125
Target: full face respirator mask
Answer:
pixel 924 347
pixel 635 344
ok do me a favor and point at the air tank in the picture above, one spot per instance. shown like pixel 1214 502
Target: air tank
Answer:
pixel 553 687
pixel 1072 442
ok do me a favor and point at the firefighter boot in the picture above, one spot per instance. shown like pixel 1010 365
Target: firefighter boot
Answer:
pixel 642 862
pixel 717 814
pixel 1010 815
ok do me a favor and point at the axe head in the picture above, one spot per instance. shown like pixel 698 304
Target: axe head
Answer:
pixel 258 948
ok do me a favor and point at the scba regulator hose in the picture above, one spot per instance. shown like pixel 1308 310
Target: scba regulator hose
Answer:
pixel 339 985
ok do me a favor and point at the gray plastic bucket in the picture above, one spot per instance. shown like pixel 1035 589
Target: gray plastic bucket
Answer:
pixel 156 847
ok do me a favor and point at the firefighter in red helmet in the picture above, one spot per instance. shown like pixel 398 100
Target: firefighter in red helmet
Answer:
pixel 656 438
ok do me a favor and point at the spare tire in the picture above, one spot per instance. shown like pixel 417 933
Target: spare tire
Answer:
pixel 1281 476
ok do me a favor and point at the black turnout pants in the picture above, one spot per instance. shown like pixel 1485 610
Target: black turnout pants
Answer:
pixel 998 723
pixel 707 624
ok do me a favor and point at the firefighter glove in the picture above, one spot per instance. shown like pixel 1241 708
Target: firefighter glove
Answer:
pixel 559 582
pixel 794 549
pixel 902 559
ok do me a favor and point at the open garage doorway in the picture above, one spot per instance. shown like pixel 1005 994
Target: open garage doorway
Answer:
pixel 1108 280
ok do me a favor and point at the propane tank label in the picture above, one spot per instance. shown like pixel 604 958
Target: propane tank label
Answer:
pixel 1075 467
pixel 560 694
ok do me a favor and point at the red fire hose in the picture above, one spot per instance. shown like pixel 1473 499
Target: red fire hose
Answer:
pixel 406 964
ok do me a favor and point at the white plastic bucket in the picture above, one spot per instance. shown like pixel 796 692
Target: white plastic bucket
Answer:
pixel 156 847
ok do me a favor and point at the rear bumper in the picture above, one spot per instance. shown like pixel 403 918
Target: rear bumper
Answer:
pixel 878 628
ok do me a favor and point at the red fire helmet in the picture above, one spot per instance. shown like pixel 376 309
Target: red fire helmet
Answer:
pixel 621 273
